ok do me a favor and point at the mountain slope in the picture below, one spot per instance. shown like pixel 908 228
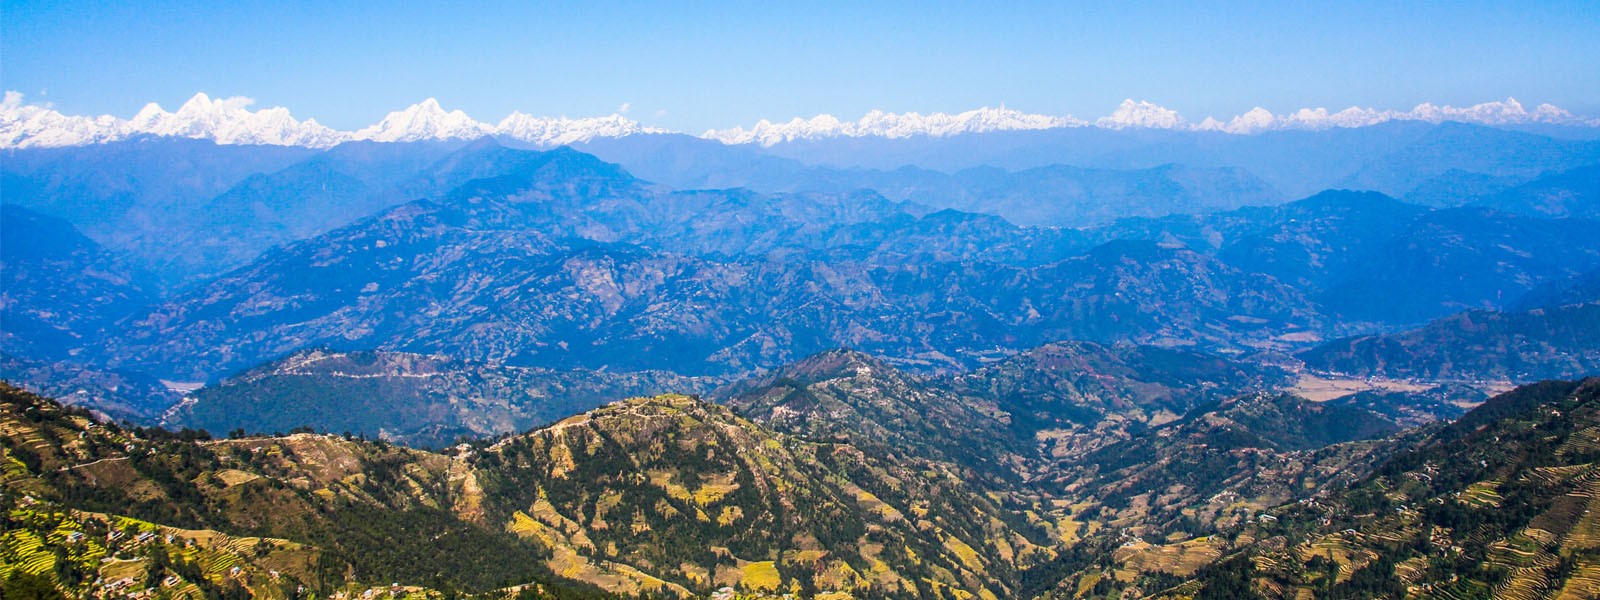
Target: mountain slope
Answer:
pixel 349 512
pixel 134 196
pixel 1476 345
pixel 1368 259
pixel 663 495
pixel 857 399
pixel 1473 148
pixel 540 267
pixel 694 494
pixel 1499 503
pixel 117 395
pixel 1219 464
pixel 59 290
pixel 1070 385
pixel 421 401
pixel 1570 193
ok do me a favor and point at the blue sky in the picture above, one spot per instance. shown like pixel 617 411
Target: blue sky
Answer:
pixel 691 66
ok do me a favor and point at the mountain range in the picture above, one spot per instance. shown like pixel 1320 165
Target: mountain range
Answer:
pixel 672 495
pixel 230 121
pixel 980 355
pixel 561 246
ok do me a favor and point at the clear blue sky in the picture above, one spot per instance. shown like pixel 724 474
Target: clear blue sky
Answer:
pixel 696 65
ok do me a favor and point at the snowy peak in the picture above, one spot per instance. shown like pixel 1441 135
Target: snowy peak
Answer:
pixel 424 120
pixel 231 121
pixel 26 125
pixel 1507 112
pixel 891 125
pixel 1137 114
pixel 1143 114
pixel 224 120
pixel 546 131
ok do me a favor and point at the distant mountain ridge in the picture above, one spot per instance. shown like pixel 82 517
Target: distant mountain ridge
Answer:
pixel 421 401
pixel 562 246
pixel 230 121
pixel 1541 343
pixel 58 288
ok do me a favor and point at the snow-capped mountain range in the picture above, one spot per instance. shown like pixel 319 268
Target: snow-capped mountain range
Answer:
pixel 1136 114
pixel 230 121
pixel 891 125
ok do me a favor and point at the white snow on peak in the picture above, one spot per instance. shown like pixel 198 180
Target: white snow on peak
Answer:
pixel 891 125
pixel 547 131
pixel 231 121
pixel 1143 114
pixel 424 120
pixel 427 120
pixel 1138 114
pixel 27 125
pixel 224 120
pixel 1507 112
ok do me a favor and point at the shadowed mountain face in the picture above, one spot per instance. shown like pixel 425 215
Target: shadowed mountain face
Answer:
pixel 420 401
pixel 1499 503
pixel 1219 464
pixel 858 399
pixel 1414 408
pixel 116 395
pixel 59 290
pixel 1573 193
pixel 1367 259
pixel 1476 345
pixel 141 196
pixel 1577 290
pixel 1078 384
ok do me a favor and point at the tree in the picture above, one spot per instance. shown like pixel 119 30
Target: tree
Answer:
pixel 26 586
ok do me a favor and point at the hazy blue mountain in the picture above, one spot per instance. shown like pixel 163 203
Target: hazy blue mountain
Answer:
pixel 188 210
pixel 1393 157
pixel 418 400
pixel 569 262
pixel 1369 258
pixel 1473 148
pixel 1456 187
pixel 59 290
pixel 1570 193
pixel 1576 290
pixel 320 193
pixel 134 195
pixel 687 162
pixel 1051 195
pixel 1058 195
pixel 1457 259
pixel 1476 345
